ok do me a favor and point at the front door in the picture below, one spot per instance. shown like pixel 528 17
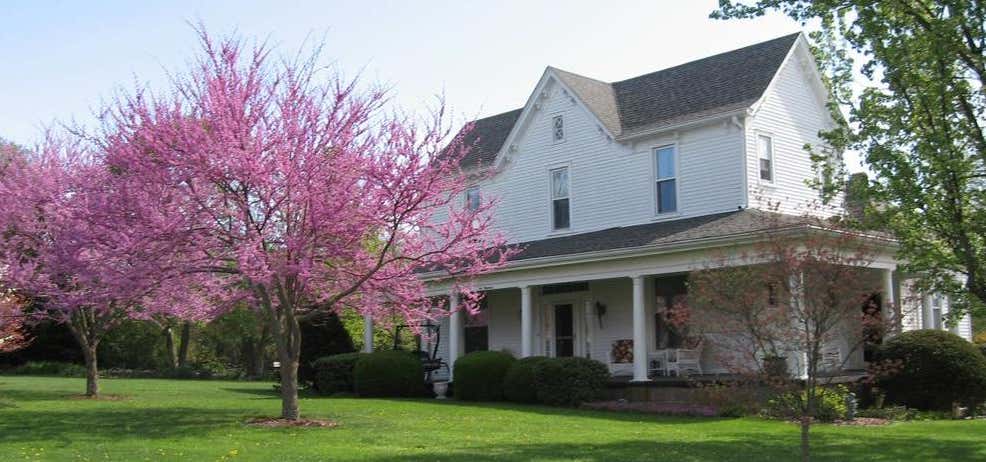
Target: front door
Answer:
pixel 564 330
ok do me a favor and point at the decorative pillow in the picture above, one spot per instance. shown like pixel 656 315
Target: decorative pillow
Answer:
pixel 622 351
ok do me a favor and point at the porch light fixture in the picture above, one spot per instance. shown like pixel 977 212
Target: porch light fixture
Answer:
pixel 600 312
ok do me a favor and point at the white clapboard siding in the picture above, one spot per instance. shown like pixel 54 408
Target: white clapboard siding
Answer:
pixel 792 113
pixel 611 183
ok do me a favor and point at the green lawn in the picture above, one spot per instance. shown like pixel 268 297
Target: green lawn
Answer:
pixel 203 420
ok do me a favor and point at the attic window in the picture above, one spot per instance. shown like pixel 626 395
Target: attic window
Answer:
pixel 558 128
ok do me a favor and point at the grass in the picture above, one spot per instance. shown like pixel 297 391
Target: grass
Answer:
pixel 203 420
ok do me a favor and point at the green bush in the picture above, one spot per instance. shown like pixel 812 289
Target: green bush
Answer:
pixel 570 381
pixel 936 369
pixel 334 374
pixel 479 375
pixel 830 404
pixel 53 368
pixel 388 373
pixel 519 383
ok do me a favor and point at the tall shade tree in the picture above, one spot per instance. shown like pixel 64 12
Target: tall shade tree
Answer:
pixel 801 289
pixel 305 189
pixel 918 122
pixel 88 250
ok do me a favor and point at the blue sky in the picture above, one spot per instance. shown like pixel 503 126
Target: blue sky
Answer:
pixel 60 57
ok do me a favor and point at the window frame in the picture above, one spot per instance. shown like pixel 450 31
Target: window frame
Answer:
pixel 773 164
pixel 479 198
pixel 676 178
pixel 552 229
pixel 555 117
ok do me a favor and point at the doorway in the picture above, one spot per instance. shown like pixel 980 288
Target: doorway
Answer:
pixel 564 333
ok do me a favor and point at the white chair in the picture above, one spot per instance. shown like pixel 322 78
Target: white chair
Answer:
pixel 684 361
pixel 831 359
pixel 657 363
pixel 621 357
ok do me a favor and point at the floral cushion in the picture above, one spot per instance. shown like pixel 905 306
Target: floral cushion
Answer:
pixel 622 351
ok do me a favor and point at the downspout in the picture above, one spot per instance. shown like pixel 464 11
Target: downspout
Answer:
pixel 741 125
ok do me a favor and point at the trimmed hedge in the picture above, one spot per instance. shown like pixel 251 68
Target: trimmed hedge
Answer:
pixel 479 375
pixel 570 381
pixel 519 385
pixel 937 369
pixel 334 374
pixel 388 373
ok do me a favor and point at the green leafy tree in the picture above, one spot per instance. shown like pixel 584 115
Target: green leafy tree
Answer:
pixel 916 109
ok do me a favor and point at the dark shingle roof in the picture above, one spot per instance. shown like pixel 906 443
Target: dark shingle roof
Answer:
pixel 658 234
pixel 487 137
pixel 716 84
pixel 725 81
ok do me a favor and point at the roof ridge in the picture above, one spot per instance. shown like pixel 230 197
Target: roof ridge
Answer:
pixel 706 58
pixel 580 75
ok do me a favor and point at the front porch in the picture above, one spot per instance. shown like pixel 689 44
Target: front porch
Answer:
pixel 619 321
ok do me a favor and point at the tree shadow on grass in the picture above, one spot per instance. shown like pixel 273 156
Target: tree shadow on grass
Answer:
pixel 263 392
pixel 720 447
pixel 107 424
pixel 623 416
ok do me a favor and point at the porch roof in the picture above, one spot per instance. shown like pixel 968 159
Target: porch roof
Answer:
pixel 720 225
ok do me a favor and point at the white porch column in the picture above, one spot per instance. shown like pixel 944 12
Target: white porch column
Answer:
pixel 367 334
pixel 455 330
pixel 890 310
pixel 927 317
pixel 526 323
pixel 639 331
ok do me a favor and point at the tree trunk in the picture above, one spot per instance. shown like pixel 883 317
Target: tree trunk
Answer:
pixel 805 441
pixel 92 371
pixel 186 339
pixel 289 388
pixel 169 345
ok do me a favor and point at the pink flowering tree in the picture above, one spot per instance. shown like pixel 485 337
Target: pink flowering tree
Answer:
pixel 89 251
pixel 804 285
pixel 306 190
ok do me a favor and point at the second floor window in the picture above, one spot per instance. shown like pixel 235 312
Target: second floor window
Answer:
pixel 560 215
pixel 765 154
pixel 667 179
pixel 558 128
pixel 472 198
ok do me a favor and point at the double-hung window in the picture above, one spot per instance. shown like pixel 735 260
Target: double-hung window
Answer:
pixel 560 205
pixel 937 312
pixel 667 179
pixel 765 154
pixel 472 198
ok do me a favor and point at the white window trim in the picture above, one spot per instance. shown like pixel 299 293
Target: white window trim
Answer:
pixel 658 215
pixel 563 128
pixel 773 162
pixel 551 201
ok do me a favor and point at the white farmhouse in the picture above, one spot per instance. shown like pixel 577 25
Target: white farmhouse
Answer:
pixel 616 190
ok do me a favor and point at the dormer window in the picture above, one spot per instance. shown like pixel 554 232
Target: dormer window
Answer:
pixel 560 213
pixel 765 153
pixel 472 198
pixel 558 128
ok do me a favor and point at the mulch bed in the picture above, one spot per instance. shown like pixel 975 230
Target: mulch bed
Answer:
pixel 275 422
pixel 654 408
